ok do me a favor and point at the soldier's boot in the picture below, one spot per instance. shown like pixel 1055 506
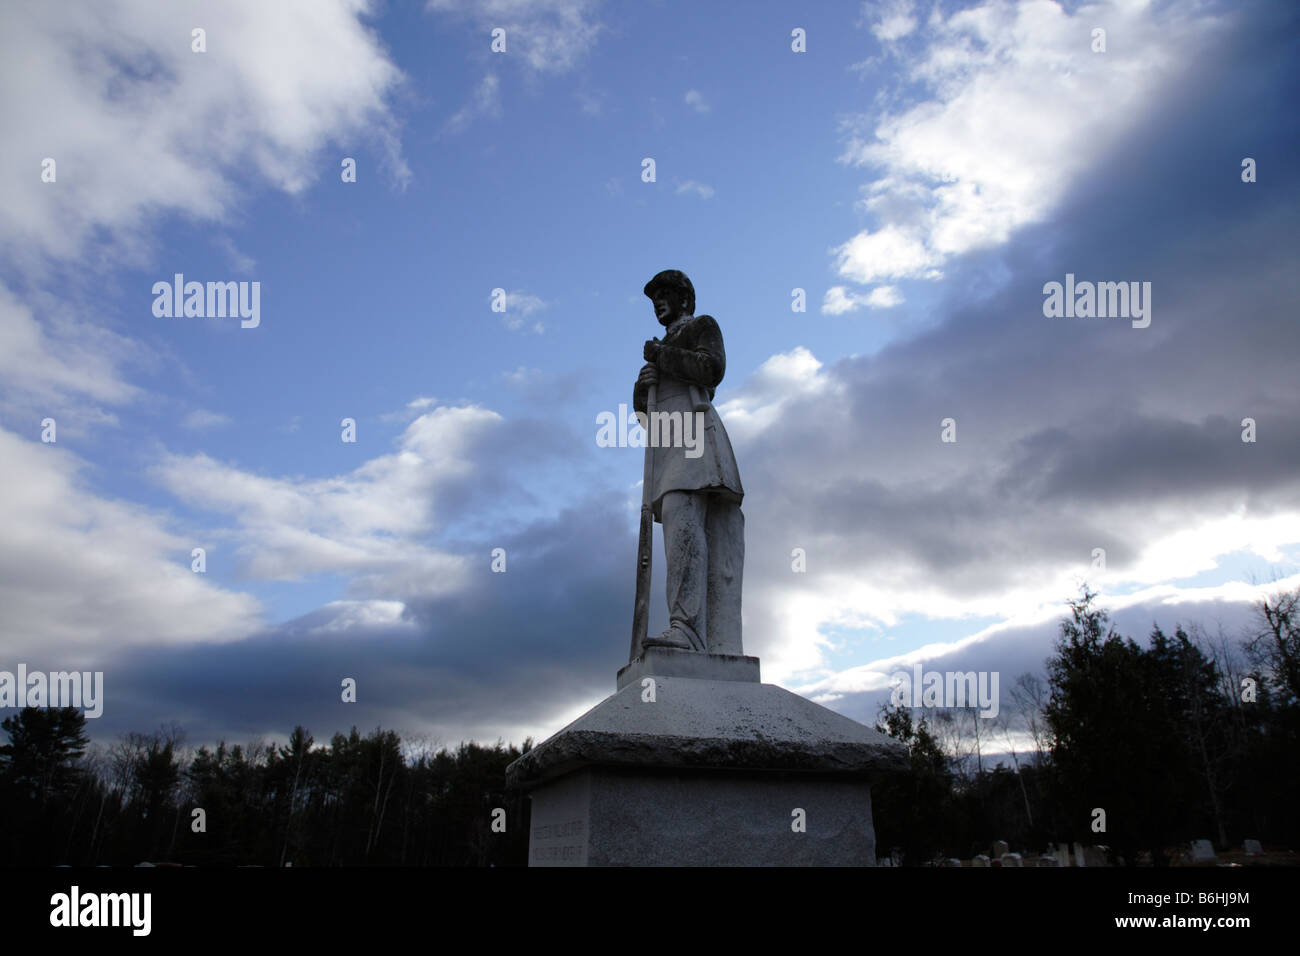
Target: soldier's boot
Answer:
pixel 673 637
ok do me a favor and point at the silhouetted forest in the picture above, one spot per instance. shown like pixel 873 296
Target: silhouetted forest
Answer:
pixel 1189 737
pixel 1184 739
pixel 358 801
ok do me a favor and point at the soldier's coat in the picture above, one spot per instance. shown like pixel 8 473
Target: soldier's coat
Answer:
pixel 692 354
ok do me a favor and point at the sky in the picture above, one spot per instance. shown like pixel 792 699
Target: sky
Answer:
pixel 870 198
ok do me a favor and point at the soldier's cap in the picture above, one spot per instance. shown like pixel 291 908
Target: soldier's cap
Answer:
pixel 669 278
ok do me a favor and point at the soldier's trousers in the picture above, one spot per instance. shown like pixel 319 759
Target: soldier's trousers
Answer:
pixel 704 549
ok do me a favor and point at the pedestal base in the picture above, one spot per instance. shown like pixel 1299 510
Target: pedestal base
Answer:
pixel 687 771
pixel 604 817
pixel 668 662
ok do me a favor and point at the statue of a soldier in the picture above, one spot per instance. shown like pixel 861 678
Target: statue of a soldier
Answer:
pixel 696 499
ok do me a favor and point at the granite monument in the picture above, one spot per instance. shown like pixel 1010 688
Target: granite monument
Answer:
pixel 693 760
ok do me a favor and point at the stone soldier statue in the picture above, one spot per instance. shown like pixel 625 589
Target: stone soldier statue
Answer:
pixel 696 499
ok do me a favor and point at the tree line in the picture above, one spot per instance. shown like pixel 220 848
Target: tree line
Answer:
pixel 1187 737
pixel 1191 737
pixel 358 801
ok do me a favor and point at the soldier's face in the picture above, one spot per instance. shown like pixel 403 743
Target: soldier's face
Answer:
pixel 665 308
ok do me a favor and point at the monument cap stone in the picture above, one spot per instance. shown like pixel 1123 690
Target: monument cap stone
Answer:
pixel 716 724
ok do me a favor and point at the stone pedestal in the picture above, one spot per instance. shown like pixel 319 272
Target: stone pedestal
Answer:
pixel 667 662
pixel 695 762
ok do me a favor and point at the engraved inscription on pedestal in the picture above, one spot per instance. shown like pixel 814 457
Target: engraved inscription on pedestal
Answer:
pixel 560 824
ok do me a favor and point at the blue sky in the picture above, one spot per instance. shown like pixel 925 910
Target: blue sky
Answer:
pixel 920 171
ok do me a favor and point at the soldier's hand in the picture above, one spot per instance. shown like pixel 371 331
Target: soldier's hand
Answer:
pixel 649 376
pixel 651 350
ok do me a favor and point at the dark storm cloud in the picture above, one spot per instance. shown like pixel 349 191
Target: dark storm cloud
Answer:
pixel 1072 434
pixel 513 647
pixel 1077 433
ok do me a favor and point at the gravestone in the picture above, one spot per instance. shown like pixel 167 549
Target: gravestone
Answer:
pixel 1097 856
pixel 1253 848
pixel 1047 860
pixel 952 861
pixel 1063 854
pixel 1203 852
pixel 1000 847
pixel 1079 858
pixel 1012 859
pixel 980 860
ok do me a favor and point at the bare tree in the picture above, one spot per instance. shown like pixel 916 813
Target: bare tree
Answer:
pixel 946 733
pixel 1276 644
pixel 961 736
pixel 1004 725
pixel 1229 657
pixel 1030 694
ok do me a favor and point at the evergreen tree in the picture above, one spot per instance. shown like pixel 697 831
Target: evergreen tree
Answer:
pixel 913 810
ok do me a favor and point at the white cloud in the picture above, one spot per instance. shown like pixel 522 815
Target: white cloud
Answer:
pixel 202 418
pixel 142 127
pixel 894 22
pixel 700 189
pixel 409 411
pixel 840 299
pixel 239 261
pixel 353 618
pixel 117 98
pixel 523 376
pixel 1186 602
pixel 486 101
pixel 884 297
pixel 592 104
pixel 61 365
pixel 523 302
pixel 84 575
pixel 1019 106
pixel 695 100
pixel 519 305
pixel 783 378
pixel 889 253
pixel 1187 552
pixel 550 36
pixel 370 523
